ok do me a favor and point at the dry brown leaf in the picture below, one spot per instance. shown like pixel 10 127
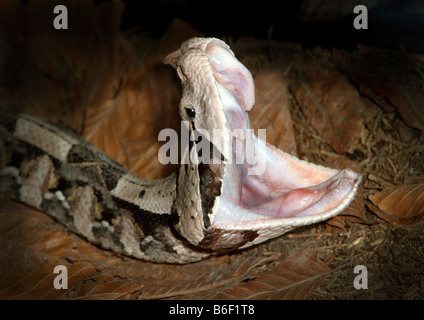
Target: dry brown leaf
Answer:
pixel 330 102
pixel 59 76
pixel 295 277
pixel 204 279
pixel 271 111
pixel 400 205
pixel 32 244
pixel 126 127
pixel 389 78
pixel 355 213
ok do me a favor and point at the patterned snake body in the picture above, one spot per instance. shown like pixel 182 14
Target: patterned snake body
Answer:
pixel 204 208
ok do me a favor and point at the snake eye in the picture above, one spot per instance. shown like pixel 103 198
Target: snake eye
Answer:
pixel 190 112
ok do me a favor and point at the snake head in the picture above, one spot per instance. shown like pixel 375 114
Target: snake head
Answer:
pixel 241 190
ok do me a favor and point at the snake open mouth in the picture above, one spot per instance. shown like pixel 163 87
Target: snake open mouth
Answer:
pixel 259 199
pixel 278 186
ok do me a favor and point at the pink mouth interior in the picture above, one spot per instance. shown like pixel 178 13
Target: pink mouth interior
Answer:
pixel 290 193
pixel 288 187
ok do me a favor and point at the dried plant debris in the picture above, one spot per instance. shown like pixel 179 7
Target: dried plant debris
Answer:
pixel 394 259
pixel 361 110
pixel 328 99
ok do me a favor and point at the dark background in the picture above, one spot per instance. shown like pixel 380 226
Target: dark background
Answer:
pixel 309 22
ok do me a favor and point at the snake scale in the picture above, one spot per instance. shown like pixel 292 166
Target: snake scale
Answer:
pixel 206 207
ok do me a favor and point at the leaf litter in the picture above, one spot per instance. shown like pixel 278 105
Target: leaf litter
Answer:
pixel 337 108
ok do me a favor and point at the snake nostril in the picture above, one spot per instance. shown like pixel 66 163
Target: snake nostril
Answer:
pixel 181 74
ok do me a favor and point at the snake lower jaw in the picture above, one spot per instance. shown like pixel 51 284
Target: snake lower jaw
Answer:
pixel 289 193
